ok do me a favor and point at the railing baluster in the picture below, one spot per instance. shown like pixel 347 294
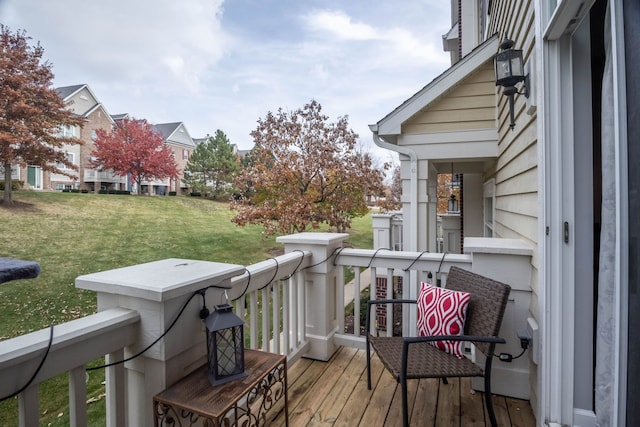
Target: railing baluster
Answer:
pixel 302 299
pixel 27 400
pixel 78 397
pixel 340 298
pixel 264 293
pixel 390 308
pixel 275 297
pixel 286 313
pixel 356 300
pixel 253 319
pixel 115 390
pixel 293 303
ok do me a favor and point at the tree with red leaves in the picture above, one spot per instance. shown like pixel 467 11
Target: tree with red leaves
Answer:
pixel 31 112
pixel 304 171
pixel 133 148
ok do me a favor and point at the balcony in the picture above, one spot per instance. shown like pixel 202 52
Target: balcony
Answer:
pixel 93 175
pixel 293 304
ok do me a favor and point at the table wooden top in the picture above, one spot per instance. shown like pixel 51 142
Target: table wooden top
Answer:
pixel 196 394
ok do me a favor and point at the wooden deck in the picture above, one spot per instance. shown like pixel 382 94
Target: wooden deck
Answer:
pixel 335 393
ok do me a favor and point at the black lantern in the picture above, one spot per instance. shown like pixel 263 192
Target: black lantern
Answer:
pixel 453 203
pixel 225 345
pixel 509 69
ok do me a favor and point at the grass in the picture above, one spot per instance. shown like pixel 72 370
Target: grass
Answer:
pixel 71 234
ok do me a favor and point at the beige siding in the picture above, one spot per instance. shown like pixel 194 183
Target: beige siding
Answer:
pixel 517 201
pixel 470 105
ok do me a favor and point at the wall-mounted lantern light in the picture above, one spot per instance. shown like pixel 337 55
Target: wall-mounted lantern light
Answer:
pixel 453 203
pixel 225 345
pixel 509 68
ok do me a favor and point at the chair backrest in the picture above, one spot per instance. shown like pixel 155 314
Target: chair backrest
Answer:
pixel 486 305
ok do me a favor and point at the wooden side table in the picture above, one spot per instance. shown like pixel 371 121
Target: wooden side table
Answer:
pixel 246 401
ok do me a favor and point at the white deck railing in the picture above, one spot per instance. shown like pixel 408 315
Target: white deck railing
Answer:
pixel 73 345
pixel 293 304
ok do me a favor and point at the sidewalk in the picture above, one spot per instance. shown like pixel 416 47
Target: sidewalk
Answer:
pixel 365 281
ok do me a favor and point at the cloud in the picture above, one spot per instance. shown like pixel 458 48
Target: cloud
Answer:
pixel 217 64
pixel 340 25
pixel 140 41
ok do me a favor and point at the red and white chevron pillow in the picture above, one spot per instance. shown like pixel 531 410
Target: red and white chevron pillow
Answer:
pixel 442 312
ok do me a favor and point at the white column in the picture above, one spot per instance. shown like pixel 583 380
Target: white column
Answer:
pixel 320 282
pixel 158 291
pixel 381 230
pixel 508 261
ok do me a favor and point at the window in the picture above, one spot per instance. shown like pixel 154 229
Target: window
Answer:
pixel 94 134
pixel 185 154
pixel 70 158
pixel 488 195
pixel 68 131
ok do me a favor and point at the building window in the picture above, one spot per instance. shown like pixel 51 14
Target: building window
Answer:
pixel 185 154
pixel 68 131
pixel 70 158
pixel 489 197
pixel 94 134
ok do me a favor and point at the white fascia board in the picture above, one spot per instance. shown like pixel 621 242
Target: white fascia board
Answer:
pixel 71 95
pixel 392 123
pixel 97 106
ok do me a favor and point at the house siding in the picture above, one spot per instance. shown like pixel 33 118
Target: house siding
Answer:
pixel 81 103
pixel 470 105
pixel 517 202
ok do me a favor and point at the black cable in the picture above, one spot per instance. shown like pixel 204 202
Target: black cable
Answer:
pixel 33 377
pixel 415 260
pixel 107 365
pixel 441 261
pixel 337 252
pixel 246 287
pixel 295 270
pixel 376 253
pixel 275 273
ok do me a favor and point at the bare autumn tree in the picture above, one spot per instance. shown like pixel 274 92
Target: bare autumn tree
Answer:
pixel 305 171
pixel 31 112
pixel 134 149
pixel 393 194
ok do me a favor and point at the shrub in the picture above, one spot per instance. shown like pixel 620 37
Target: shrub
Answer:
pixel 15 185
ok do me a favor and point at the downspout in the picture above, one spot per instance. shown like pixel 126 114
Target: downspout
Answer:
pixel 413 186
pixel 408 326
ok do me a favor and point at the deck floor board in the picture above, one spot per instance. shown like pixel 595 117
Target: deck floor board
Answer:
pixel 335 393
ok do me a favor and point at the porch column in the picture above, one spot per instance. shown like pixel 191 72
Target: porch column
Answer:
pixel 508 261
pixel 381 230
pixel 320 289
pixel 158 291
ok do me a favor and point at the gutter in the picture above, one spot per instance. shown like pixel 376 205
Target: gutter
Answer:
pixel 413 187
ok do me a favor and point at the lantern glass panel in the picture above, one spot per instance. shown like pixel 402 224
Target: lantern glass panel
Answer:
pixel 225 345
pixel 227 354
pixel 502 66
pixel 517 70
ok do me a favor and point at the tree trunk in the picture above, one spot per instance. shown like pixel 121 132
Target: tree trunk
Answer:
pixel 7 199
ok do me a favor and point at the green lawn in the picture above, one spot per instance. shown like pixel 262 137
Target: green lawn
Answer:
pixel 71 234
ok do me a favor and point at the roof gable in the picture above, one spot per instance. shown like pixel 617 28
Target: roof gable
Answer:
pixel 392 123
pixel 175 133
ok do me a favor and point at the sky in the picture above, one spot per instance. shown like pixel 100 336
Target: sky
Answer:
pixel 224 64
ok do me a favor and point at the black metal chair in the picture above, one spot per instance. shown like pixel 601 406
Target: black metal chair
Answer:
pixel 413 357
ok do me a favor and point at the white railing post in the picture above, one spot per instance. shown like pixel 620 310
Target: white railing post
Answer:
pixel 508 261
pixel 320 282
pixel 158 291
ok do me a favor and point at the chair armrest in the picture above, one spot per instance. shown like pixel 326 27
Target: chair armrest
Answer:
pixel 470 338
pixel 383 301
pixel 495 340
